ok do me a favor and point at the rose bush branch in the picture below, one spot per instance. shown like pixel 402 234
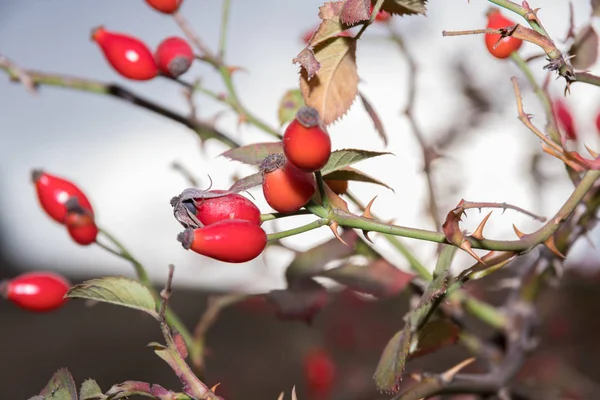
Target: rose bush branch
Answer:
pixel 204 130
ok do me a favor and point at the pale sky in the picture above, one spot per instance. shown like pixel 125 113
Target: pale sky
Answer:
pixel 121 155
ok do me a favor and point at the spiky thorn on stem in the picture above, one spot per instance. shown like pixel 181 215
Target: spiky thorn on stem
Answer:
pixel 367 214
pixel 465 205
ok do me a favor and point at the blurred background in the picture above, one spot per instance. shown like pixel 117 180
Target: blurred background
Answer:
pixel 122 157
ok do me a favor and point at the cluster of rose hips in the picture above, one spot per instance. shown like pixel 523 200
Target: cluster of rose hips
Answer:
pixel 131 58
pixel 226 226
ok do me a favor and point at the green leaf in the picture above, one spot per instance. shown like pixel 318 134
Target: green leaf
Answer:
pixel 60 387
pixel 90 391
pixel 312 262
pixel 379 278
pixel 253 154
pixel 436 289
pixel 352 174
pixel 403 7
pixel 388 374
pixel 116 290
pixel 341 159
pixel 289 105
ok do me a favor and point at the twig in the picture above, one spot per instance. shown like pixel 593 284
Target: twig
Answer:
pixel 504 206
pixel 204 130
pixel 18 73
pixel 177 166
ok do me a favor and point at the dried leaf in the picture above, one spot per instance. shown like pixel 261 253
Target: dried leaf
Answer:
pixel 379 278
pixel 253 154
pixel 331 87
pixel 60 387
pixel 585 48
pixel 403 7
pixel 339 159
pixel 388 374
pixel 289 105
pixel 375 118
pixel 331 26
pixel 116 290
pixel 351 174
pixel 433 336
pixel 355 11
pixel 596 8
pixel 247 183
pixel 301 301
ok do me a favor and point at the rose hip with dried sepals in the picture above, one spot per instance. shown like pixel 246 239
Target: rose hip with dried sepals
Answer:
pixel 230 206
pixel 174 56
pixel 497 46
pixel 36 291
pixel 286 188
pixel 306 144
pixel 232 240
pixel 53 193
pixel 129 56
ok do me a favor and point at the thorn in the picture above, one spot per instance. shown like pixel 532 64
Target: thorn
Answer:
pixel 334 228
pixel 551 245
pixel 478 234
pixel 214 388
pixel 518 232
pixel 366 235
pixel 451 373
pixel 367 212
pixel 242 119
pixel 466 246
pixel 232 69
pixel 280 396
pixel 592 153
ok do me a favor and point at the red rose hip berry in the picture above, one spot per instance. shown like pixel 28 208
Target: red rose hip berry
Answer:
pixel 306 144
pixel 506 45
pixel 382 16
pixel 319 372
pixel 232 240
pixel 53 193
pixel 565 118
pixel 36 291
pixel 80 223
pixel 174 56
pixel 231 206
pixel 165 6
pixel 129 56
pixel 286 188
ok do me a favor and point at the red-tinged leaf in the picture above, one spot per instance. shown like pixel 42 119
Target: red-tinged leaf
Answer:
pixel 60 386
pixel 403 7
pixel 565 118
pixel 379 278
pixel 388 374
pixel 312 262
pixel 585 48
pixel 351 174
pixel 340 159
pixel 335 201
pixel 253 154
pixel 355 11
pixel 331 26
pixel 451 226
pixel 289 105
pixel 332 88
pixel 180 344
pixel 136 388
pixel 301 301
pixel 433 336
pixel 247 183
pixel 308 62
pixel 375 118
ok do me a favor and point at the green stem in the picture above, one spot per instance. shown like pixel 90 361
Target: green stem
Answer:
pixel 522 11
pixel 224 25
pixel 172 318
pixel 301 229
pixel 274 216
pixel 586 77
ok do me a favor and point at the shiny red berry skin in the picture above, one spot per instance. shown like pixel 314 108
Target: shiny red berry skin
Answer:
pixel 174 56
pixel 165 6
pixel 286 188
pixel 38 291
pixel 53 192
pixel 598 123
pixel 565 118
pixel 306 144
pixel 129 56
pixel 232 240
pixel 507 45
pixel 81 227
pixel 231 206
pixel 319 372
